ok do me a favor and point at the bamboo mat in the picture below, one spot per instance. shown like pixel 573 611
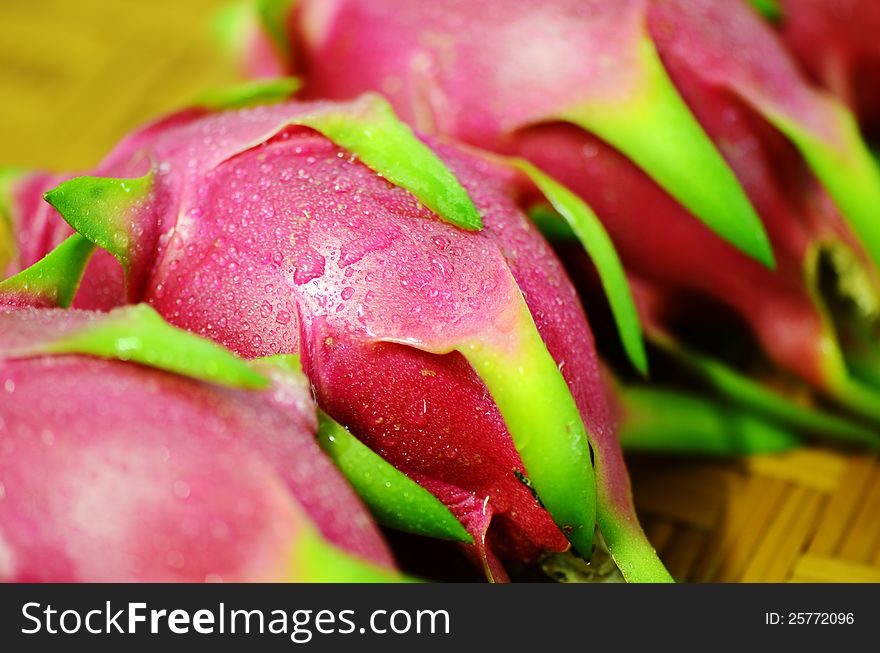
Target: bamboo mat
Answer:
pixel 811 515
pixel 77 75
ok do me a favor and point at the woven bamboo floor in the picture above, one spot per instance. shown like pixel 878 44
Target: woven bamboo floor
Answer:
pixel 76 75
pixel 809 515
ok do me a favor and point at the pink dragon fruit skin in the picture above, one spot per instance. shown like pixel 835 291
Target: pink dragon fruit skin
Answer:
pixel 836 42
pixel 116 471
pixel 502 75
pixel 268 238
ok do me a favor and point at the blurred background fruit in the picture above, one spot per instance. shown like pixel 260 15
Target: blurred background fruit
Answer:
pixel 76 76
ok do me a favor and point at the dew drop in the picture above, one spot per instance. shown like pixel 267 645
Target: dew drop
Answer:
pixel 120 239
pixel 181 489
pixel 590 150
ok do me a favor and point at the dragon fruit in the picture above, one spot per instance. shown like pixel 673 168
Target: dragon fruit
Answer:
pixel 836 42
pixel 680 122
pixel 134 451
pixel 431 318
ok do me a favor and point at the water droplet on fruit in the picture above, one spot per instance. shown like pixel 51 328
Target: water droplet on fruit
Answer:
pixel 181 489
pixel 441 242
pixel 120 239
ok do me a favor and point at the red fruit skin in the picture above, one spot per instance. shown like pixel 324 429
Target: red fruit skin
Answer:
pixel 836 43
pixel 116 472
pixel 446 67
pixel 292 246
